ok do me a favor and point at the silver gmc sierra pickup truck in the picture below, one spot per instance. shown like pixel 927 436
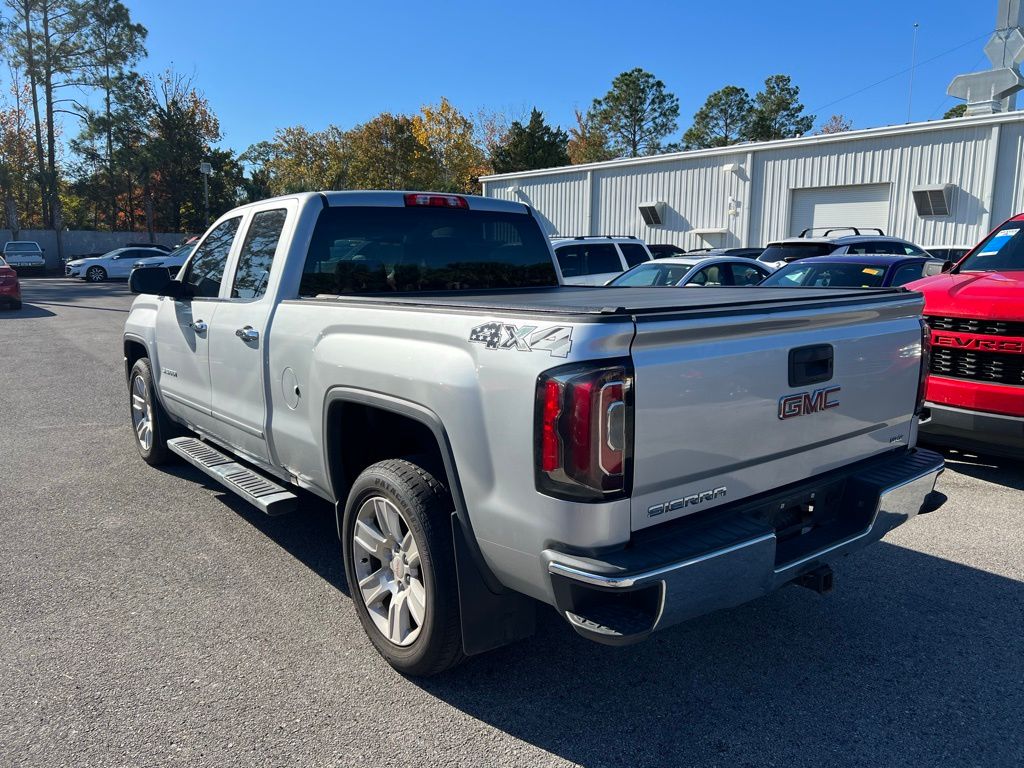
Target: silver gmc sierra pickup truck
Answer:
pixel 633 457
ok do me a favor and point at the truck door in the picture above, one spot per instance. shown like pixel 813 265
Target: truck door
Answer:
pixel 238 336
pixel 182 329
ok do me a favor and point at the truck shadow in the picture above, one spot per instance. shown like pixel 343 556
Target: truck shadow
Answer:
pixel 27 312
pixel 914 659
pixel 993 469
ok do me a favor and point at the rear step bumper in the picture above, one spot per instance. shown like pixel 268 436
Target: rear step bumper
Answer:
pixel 264 494
pixel 734 554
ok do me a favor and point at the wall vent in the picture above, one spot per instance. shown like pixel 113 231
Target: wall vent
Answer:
pixel 653 214
pixel 933 200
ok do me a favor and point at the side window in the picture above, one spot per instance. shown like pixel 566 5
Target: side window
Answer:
pixel 634 253
pixel 907 273
pixel 745 275
pixel 588 259
pixel 253 271
pixel 206 269
pixel 913 250
pixel 708 276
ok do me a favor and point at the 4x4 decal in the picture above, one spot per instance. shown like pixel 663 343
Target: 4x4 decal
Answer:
pixel 556 340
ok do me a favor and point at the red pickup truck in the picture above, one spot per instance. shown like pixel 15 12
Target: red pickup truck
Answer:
pixel 975 395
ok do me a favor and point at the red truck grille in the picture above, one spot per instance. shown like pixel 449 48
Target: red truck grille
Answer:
pixel 993 367
pixel 976 325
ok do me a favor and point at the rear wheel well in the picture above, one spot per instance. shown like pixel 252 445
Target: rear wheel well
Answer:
pixel 359 435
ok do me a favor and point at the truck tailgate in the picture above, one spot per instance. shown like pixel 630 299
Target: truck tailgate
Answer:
pixel 723 410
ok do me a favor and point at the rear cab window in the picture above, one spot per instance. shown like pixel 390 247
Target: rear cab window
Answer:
pixel 368 249
pixel 579 259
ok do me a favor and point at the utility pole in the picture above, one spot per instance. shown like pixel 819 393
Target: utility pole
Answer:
pixel 913 65
pixel 206 169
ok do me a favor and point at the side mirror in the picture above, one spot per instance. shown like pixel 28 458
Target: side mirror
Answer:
pixel 947 266
pixel 157 281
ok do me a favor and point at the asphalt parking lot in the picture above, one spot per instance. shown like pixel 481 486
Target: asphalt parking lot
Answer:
pixel 151 618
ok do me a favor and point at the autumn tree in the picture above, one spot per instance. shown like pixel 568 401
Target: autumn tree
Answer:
pixel 385 153
pixel 18 187
pixel 530 146
pixel 721 121
pixel 837 124
pixel 588 141
pixel 448 135
pixel 298 160
pixel 777 112
pixel 637 113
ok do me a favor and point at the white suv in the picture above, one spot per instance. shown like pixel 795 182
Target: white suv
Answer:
pixel 23 253
pixel 117 263
pixel 594 260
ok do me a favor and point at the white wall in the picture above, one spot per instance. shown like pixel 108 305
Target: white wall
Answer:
pixel 982 157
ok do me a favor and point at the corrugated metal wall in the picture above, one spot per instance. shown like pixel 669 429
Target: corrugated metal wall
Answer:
pixel 958 156
pixel 983 159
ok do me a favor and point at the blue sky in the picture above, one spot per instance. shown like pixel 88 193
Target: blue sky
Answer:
pixel 266 65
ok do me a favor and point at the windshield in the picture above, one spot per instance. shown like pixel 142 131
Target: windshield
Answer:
pixel 845 275
pixel 25 246
pixel 652 273
pixel 788 252
pixel 1003 251
pixel 357 249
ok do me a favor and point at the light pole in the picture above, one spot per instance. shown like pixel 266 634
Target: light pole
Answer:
pixel 206 169
pixel 913 65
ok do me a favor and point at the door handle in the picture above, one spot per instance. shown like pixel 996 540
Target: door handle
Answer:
pixel 198 326
pixel 248 334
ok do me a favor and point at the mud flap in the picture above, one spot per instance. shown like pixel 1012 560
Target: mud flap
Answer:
pixel 489 619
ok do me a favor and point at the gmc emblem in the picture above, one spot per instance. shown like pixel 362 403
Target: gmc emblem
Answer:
pixel 807 402
pixel 988 345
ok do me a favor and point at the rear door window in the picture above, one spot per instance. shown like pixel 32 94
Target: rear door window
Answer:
pixel 253 271
pixel 743 274
pixel 579 259
pixel 634 254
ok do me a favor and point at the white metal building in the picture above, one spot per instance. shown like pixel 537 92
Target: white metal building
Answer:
pixel 947 181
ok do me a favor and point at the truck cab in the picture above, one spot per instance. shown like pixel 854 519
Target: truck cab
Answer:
pixel 975 394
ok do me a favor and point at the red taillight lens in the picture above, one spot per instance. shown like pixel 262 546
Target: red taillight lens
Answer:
pixel 584 431
pixel 926 362
pixel 437 201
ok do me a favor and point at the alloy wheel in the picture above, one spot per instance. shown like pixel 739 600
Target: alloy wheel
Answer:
pixel 142 413
pixel 388 569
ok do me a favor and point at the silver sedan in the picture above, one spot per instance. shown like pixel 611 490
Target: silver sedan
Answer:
pixel 693 272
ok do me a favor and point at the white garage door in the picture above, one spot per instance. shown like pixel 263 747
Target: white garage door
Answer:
pixel 864 205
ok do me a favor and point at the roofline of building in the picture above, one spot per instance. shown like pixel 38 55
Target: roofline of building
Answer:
pixel 761 146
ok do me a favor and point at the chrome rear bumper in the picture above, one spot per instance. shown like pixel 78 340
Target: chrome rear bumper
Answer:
pixel 734 555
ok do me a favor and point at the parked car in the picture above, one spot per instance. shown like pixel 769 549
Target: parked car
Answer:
pixel 693 272
pixel 10 288
pixel 948 252
pixel 22 254
pixel 490 438
pixel 975 396
pixel 117 263
pixel 806 246
pixel 661 250
pixel 595 260
pixel 174 260
pixel 872 271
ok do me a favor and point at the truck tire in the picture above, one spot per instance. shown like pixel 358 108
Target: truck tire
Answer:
pixel 400 566
pixel 150 424
pixel 96 274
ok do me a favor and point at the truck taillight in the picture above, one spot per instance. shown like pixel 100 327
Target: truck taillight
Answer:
pixel 437 201
pixel 584 431
pixel 926 362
